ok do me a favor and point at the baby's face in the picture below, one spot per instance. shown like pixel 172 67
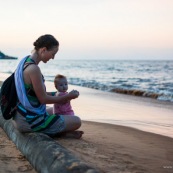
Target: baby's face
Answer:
pixel 62 85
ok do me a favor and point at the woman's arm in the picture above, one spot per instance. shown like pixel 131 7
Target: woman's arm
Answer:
pixel 51 93
pixel 35 77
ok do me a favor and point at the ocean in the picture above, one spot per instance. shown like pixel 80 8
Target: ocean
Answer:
pixel 145 78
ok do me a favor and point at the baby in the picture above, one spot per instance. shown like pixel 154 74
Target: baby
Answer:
pixel 61 85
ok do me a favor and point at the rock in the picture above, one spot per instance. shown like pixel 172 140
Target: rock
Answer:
pixel 3 56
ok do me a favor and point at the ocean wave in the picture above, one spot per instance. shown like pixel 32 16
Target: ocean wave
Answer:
pixel 166 98
pixel 136 92
pixel 139 78
pixel 130 91
pixel 123 88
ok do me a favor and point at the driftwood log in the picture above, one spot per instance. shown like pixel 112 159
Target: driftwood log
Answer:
pixel 45 154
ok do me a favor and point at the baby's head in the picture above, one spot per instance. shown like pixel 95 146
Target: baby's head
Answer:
pixel 61 83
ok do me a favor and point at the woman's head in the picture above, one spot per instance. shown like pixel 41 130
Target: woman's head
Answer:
pixel 47 41
pixel 46 47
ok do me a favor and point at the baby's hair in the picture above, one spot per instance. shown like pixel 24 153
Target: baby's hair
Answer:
pixel 47 41
pixel 57 77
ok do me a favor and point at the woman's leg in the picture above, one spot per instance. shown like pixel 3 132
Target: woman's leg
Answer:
pixel 72 123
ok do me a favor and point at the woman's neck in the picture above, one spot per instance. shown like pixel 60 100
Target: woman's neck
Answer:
pixel 34 56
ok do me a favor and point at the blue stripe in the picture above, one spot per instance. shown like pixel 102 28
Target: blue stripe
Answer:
pixel 31 116
pixel 22 109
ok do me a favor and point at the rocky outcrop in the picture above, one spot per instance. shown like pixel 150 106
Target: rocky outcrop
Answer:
pixel 3 56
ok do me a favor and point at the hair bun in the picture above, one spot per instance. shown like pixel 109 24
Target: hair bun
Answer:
pixel 47 41
pixel 35 43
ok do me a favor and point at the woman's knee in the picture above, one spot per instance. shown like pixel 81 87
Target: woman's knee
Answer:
pixel 78 121
pixel 72 122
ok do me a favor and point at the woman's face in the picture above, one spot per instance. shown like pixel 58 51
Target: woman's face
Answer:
pixel 49 54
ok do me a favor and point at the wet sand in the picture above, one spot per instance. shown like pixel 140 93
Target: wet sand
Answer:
pixel 142 113
pixel 115 149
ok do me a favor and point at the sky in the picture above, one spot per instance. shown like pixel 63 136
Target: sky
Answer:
pixel 90 29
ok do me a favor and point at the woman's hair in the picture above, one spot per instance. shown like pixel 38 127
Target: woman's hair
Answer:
pixel 57 77
pixel 47 41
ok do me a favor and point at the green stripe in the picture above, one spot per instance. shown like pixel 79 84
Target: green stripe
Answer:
pixel 27 86
pixel 46 123
pixel 32 99
pixel 29 60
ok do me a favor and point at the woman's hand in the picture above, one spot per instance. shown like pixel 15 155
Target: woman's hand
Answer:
pixel 73 94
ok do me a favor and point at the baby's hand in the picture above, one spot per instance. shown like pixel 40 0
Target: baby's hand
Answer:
pixel 73 94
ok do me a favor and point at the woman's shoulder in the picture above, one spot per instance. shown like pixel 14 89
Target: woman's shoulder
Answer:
pixel 33 72
pixel 31 67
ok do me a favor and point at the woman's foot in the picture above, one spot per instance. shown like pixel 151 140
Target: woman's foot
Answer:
pixel 74 134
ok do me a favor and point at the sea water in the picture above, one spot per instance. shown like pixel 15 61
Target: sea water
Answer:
pixel 140 78
pixel 147 78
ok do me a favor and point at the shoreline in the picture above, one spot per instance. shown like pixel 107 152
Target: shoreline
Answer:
pixel 142 113
pixel 127 92
pixel 145 114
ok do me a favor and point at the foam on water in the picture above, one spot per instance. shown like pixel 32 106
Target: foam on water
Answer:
pixel 140 78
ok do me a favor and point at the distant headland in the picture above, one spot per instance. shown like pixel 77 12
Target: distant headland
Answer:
pixel 3 56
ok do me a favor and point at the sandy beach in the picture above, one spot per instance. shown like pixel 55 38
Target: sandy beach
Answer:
pixel 109 148
pixel 11 159
pixel 115 149
pixel 132 134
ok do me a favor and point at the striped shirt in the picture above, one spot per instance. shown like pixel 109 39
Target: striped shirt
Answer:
pixel 39 122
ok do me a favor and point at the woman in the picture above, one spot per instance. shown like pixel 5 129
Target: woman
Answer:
pixel 32 115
